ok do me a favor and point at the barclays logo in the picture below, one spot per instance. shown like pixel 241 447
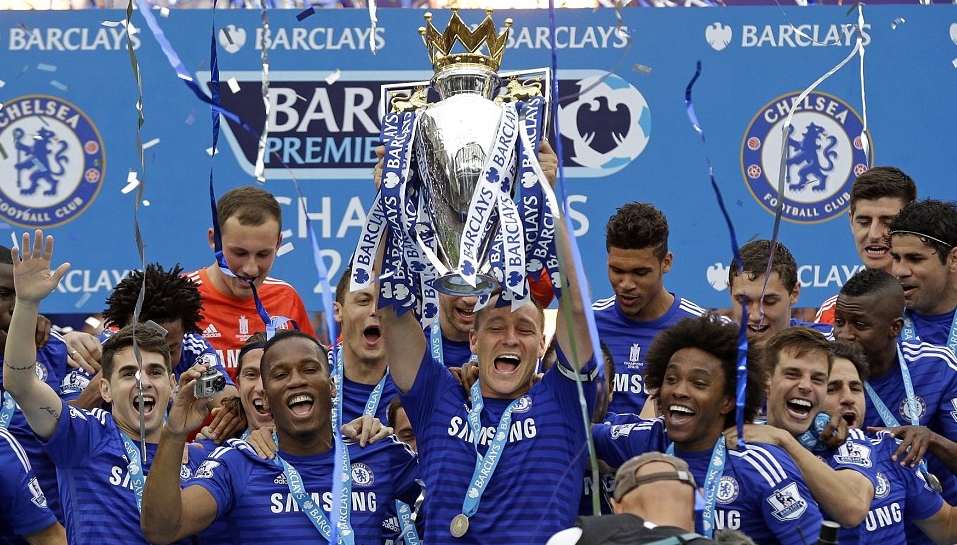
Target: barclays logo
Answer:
pixel 718 36
pixel 231 38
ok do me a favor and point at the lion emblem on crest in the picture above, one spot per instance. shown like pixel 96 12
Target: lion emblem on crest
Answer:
pixel 48 165
pixel 817 162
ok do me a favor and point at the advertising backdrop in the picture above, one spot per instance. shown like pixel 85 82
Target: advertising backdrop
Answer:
pixel 69 157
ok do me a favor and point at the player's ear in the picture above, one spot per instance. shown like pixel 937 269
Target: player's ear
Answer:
pixel 105 390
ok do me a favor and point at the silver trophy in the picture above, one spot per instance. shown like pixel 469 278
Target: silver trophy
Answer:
pixel 455 135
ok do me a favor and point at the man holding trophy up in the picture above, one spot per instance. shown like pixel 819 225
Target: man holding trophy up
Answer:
pixel 462 210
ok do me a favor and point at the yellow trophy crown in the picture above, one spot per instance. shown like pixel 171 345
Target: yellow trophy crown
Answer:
pixel 440 44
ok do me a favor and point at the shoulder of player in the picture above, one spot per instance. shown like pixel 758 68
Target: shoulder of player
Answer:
pixel 196 343
pixel 195 276
pixel 604 304
pixel 13 447
pixel 922 353
pixel 688 307
pixel 387 448
pixel 764 463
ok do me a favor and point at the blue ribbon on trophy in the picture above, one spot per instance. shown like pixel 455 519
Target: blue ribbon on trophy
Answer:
pixel 463 204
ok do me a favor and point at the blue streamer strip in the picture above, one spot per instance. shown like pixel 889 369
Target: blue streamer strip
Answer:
pixel 742 333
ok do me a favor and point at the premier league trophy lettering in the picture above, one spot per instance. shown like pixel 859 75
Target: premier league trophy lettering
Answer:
pixel 463 204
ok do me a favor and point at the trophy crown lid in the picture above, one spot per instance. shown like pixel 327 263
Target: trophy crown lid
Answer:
pixel 440 44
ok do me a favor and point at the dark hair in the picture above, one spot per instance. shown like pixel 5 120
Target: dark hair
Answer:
pixel 636 226
pixel 871 282
pixel 718 338
pixel 755 256
pixel 852 353
pixel 250 205
pixel 285 334
pixel 255 342
pixel 147 339
pixel 170 296
pixel 342 286
pixel 6 256
pixel 881 182
pixel 799 340
pixel 931 218
pixel 392 411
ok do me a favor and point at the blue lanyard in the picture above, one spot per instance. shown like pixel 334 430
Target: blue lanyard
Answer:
pixel 372 404
pixel 484 465
pixel 711 482
pixel 409 534
pixel 435 338
pixel 134 466
pixel 6 414
pixel 886 415
pixel 909 332
pixel 316 516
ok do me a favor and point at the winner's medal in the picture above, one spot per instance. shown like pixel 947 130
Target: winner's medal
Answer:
pixel 932 480
pixel 460 525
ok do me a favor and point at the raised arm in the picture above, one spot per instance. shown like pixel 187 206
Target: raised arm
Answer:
pixel 404 346
pixel 169 512
pixel 33 280
pixel 571 329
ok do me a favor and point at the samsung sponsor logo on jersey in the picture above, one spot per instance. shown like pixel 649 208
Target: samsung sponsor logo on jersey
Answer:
pixel 21 38
pixel 885 515
pixel 286 503
pixel 825 153
pixel 520 429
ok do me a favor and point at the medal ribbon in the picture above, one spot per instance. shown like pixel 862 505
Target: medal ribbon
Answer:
pixel 6 414
pixel 409 534
pixel 134 466
pixel 484 465
pixel 312 510
pixel 711 482
pixel 909 332
pixel 887 416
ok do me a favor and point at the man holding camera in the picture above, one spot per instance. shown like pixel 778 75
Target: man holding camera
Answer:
pixel 99 455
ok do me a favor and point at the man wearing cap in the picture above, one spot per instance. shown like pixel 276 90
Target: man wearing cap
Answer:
pixel 655 497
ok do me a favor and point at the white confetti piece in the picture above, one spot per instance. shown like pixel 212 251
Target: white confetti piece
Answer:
pixel 149 144
pixel 209 151
pixel 954 62
pixel 13 237
pixel 284 249
pixel 111 24
pixel 287 233
pixel 146 202
pixel 164 12
pixel 46 67
pixel 896 22
pixel 82 301
pixel 131 182
pixel 233 84
pixel 2 83
pixel 333 77
pixel 90 320
pixel 58 85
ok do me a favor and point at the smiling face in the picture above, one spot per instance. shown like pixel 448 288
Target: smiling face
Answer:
pixel 796 390
pixel 870 225
pixel 457 316
pixel 361 336
pixel 508 345
pixel 694 401
pixel 775 305
pixel 866 320
pixel 121 390
pixel 250 251
pixel 298 393
pixel 929 285
pixel 845 393
pixel 637 278
pixel 251 392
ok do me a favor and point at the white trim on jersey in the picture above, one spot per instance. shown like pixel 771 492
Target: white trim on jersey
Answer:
pixel 602 304
pixel 913 351
pixel 16 448
pixel 691 307
pixel 763 462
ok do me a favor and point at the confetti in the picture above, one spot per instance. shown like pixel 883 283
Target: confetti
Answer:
pixel 287 233
pixel 954 62
pixel 164 12
pixel 333 77
pixel 82 301
pixel 151 143
pixel 233 84
pixel 2 83
pixel 112 24
pixel 191 118
pixel 146 202
pixel 284 249
pixel 46 67
pixel 898 21
pixel 131 182
pixel 209 151
pixel 58 85
pixel 641 68
pixel 13 237
pixel 90 320
pixel 308 12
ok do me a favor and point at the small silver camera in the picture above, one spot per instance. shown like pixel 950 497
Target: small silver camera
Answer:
pixel 209 384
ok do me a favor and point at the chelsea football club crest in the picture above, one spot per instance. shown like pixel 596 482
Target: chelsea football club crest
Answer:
pixel 825 154
pixel 53 163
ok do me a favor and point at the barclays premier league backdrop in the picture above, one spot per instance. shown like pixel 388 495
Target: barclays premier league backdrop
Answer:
pixel 69 161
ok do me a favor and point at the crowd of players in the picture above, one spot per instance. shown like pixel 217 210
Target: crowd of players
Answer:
pixel 473 430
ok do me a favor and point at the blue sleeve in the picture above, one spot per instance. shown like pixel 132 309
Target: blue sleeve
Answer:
pixel 947 416
pixel 405 472
pixel 616 444
pixel 787 506
pixel 22 503
pixel 78 435
pixel 419 401
pixel 222 474
pixel 922 501
pixel 196 349
pixel 857 454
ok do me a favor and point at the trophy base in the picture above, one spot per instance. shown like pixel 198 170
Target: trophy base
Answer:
pixel 453 284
